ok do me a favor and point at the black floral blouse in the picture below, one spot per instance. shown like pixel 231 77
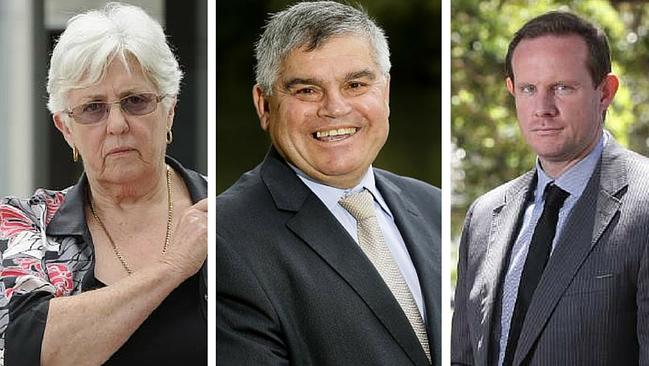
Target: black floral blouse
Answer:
pixel 46 251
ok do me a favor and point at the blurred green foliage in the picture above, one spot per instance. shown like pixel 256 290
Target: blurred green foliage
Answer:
pixel 414 33
pixel 487 148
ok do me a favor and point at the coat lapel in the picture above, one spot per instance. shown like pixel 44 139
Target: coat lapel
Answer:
pixel 318 228
pixel 587 221
pixel 505 222
pixel 423 245
pixel 613 183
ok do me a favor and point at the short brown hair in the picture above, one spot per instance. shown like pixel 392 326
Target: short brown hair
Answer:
pixel 562 23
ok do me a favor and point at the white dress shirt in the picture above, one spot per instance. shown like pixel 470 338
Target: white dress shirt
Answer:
pixel 330 196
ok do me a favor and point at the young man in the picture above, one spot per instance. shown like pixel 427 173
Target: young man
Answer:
pixel 553 266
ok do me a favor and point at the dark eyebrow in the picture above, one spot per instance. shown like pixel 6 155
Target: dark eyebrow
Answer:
pixel 312 81
pixel 360 74
pixel 296 81
pixel 567 82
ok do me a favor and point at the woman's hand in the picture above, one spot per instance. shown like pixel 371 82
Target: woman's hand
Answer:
pixel 188 249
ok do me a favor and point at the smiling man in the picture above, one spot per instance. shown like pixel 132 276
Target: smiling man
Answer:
pixel 553 266
pixel 321 258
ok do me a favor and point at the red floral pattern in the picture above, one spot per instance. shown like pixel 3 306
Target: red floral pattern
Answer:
pixel 25 266
pixel 13 272
pixel 53 202
pixel 13 221
pixel 30 264
pixel 60 276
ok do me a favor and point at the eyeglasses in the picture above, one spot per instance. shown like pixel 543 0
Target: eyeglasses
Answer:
pixel 133 105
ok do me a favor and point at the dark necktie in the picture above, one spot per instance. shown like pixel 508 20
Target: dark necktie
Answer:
pixel 537 258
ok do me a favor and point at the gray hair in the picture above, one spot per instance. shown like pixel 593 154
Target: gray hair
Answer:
pixel 310 24
pixel 92 40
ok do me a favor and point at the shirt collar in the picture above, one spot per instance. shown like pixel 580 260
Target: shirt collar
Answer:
pixel 575 179
pixel 325 192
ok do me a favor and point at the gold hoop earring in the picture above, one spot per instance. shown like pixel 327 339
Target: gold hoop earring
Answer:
pixel 75 154
pixel 170 136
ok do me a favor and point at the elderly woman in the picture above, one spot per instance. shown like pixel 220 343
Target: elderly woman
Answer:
pixel 112 269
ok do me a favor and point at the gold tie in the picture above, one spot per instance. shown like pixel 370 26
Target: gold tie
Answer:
pixel 370 238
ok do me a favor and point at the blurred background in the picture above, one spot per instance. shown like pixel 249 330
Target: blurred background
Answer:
pixel 32 152
pixel 414 35
pixel 487 148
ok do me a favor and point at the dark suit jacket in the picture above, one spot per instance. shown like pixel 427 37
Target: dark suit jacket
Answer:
pixel 591 306
pixel 294 288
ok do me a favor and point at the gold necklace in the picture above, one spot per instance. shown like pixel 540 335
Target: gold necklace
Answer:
pixel 170 213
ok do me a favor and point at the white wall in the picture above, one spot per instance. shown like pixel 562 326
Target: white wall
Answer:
pixel 16 94
pixel 57 12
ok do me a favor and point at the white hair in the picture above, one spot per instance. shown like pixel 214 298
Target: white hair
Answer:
pixel 92 40
pixel 310 24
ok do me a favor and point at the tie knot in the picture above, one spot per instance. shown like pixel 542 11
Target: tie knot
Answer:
pixel 360 205
pixel 555 196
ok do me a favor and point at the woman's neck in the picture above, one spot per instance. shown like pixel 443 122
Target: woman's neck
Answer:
pixel 146 189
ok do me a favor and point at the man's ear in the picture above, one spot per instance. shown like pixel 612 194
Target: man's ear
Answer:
pixel 510 86
pixel 387 88
pixel 261 106
pixel 387 93
pixel 609 88
pixel 61 125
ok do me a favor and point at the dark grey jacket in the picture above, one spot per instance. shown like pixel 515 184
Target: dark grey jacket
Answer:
pixel 591 306
pixel 294 288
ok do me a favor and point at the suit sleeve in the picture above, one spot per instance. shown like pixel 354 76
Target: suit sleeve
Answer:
pixel 642 298
pixel 248 331
pixel 461 349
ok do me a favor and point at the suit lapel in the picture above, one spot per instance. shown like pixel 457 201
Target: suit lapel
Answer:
pixel 613 184
pixel 319 229
pixel 588 219
pixel 424 248
pixel 505 221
